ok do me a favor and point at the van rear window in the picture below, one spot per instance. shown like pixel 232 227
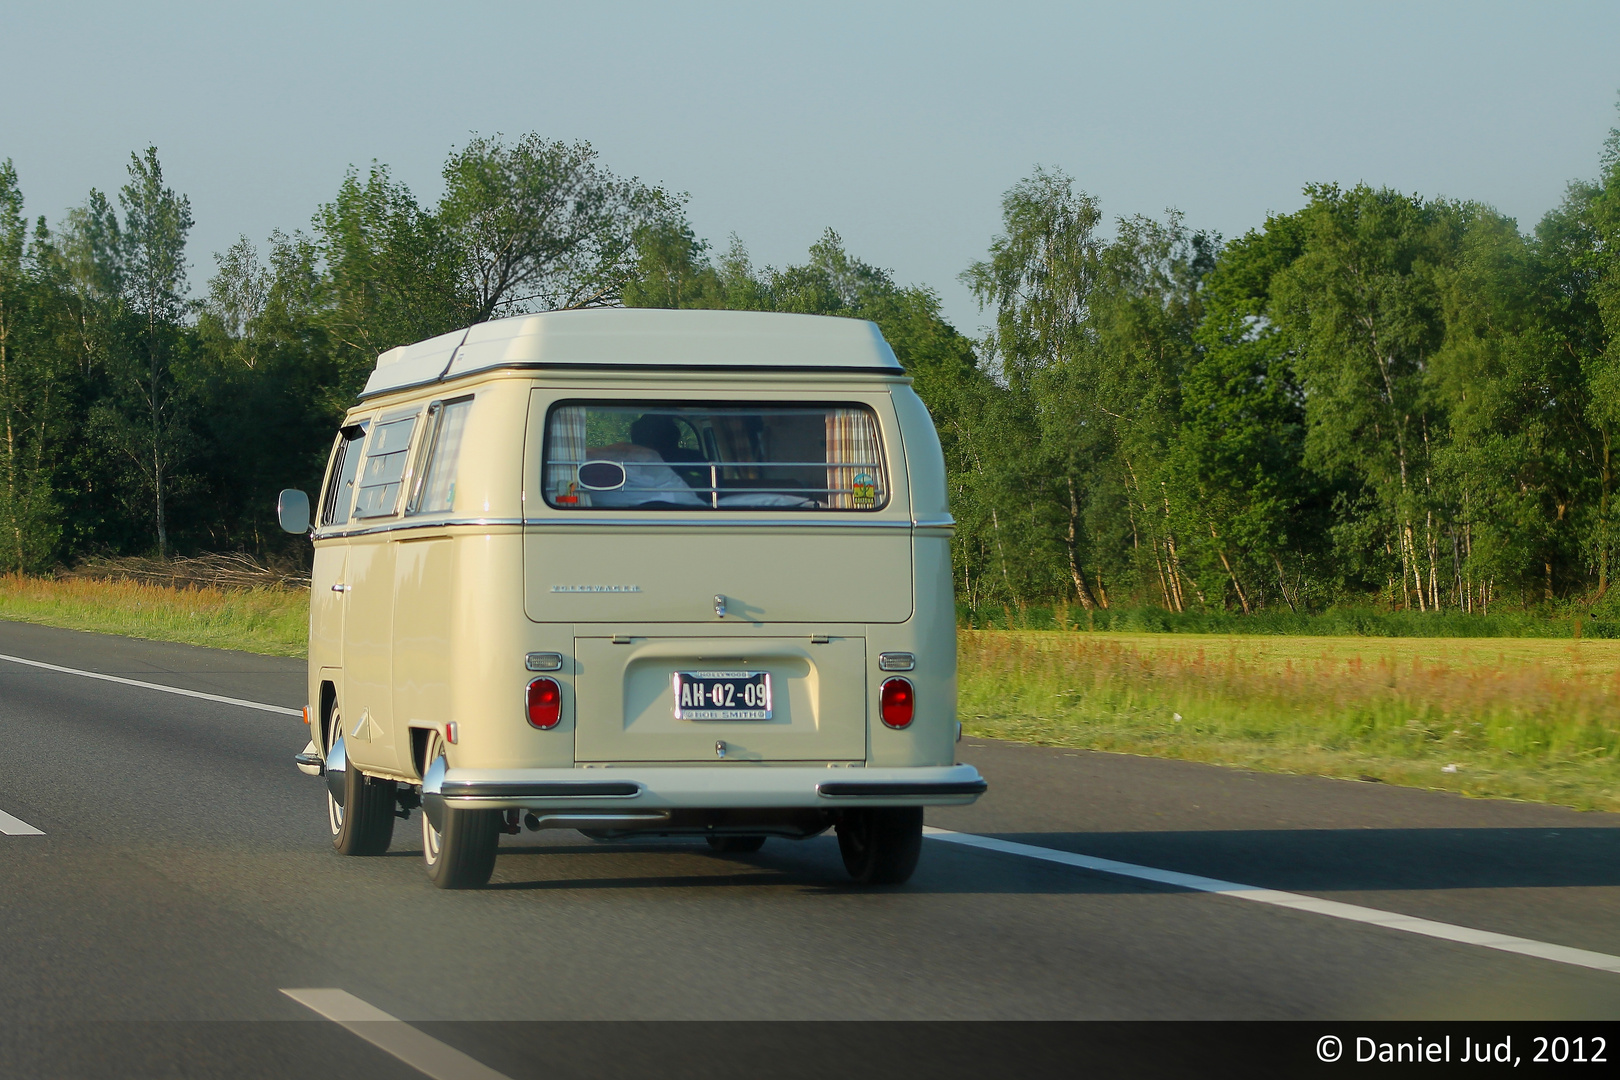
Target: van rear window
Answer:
pixel 660 455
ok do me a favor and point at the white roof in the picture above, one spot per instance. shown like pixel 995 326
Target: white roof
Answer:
pixel 638 337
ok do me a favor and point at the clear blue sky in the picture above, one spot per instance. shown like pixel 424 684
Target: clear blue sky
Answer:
pixel 900 125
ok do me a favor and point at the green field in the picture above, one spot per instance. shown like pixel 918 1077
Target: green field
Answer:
pixel 1520 718
pixel 1529 718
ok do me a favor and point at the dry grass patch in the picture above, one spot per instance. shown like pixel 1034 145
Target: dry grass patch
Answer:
pixel 271 619
pixel 1521 718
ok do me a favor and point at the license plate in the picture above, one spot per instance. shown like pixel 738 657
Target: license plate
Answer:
pixel 722 695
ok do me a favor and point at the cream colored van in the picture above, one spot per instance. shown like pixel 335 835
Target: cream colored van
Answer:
pixel 635 572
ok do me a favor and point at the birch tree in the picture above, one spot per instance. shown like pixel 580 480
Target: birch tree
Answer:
pixel 1363 305
pixel 157 221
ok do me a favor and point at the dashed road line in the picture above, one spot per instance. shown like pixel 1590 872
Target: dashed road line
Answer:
pixel 392 1035
pixel 239 702
pixel 14 826
pixel 1541 950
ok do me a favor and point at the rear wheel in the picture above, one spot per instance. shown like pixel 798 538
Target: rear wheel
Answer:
pixel 460 851
pixel 736 845
pixel 880 845
pixel 363 823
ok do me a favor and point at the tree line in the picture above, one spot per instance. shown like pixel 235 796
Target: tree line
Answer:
pixel 1379 398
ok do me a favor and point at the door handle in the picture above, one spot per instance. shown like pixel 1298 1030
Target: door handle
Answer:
pixel 340 587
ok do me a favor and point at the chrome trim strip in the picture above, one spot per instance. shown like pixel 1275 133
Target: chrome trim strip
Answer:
pixel 710 520
pixel 739 464
pixel 720 520
pixel 397 526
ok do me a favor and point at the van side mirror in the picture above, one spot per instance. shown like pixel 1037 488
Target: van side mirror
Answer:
pixel 292 510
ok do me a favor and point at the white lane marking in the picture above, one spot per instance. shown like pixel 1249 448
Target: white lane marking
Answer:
pixel 1543 950
pixel 392 1035
pixel 261 706
pixel 11 826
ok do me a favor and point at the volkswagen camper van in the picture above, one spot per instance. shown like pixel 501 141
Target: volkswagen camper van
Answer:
pixel 635 572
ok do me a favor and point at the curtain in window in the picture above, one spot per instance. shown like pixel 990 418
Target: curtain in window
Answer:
pixel 854 474
pixel 439 487
pixel 565 453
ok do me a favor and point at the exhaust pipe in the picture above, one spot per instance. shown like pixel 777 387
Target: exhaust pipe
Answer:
pixel 535 820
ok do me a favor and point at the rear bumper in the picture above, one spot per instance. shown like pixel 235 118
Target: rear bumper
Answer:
pixel 705 787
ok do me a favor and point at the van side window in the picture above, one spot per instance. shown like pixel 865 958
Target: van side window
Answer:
pixel 340 478
pixel 384 470
pixel 435 490
pixel 717 456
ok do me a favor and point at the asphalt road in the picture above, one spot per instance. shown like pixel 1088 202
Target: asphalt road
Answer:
pixel 184 878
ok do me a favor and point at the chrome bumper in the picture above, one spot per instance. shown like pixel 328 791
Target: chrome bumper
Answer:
pixel 678 787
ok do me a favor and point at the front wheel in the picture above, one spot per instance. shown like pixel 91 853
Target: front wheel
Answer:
pixel 460 850
pixel 880 845
pixel 359 808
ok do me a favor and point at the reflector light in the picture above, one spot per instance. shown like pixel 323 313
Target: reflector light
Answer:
pixel 545 703
pixel 451 733
pixel 896 703
pixel 306 714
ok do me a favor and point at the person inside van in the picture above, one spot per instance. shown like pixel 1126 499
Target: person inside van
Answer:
pixel 660 432
pixel 648 480
pixel 660 474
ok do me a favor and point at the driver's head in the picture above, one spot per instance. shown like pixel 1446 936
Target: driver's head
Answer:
pixel 657 432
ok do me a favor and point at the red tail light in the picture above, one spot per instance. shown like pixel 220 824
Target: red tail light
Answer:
pixel 545 703
pixel 897 703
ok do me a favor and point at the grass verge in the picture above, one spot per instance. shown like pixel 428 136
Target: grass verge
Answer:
pixel 1520 718
pixel 1516 718
pixel 273 619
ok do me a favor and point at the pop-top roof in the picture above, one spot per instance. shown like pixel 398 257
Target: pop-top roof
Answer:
pixel 638 337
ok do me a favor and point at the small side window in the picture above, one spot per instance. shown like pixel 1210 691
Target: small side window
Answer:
pixel 340 477
pixel 384 472
pixel 435 488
